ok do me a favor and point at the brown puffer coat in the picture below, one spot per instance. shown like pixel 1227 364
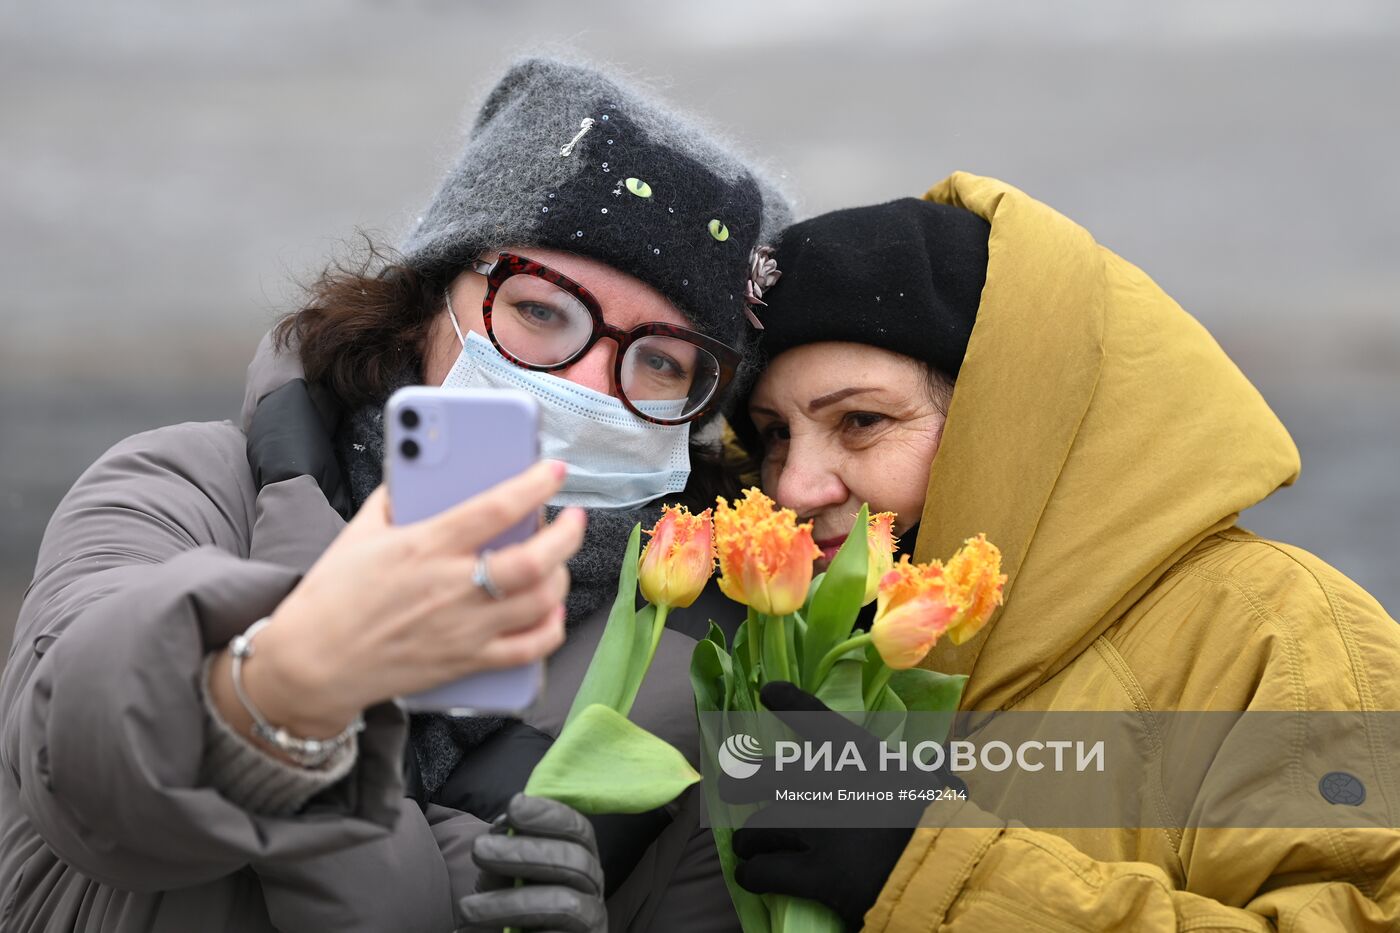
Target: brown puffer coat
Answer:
pixel 162 552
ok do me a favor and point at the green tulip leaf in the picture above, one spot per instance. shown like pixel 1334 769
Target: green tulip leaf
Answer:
pixel 723 818
pixel 609 673
pixel 604 763
pixel 716 635
pixel 746 646
pixel 751 908
pixel 639 660
pixel 744 696
pixel 799 915
pixel 888 702
pixel 928 691
pixel 887 717
pixel 797 640
pixel 932 700
pixel 812 588
pixel 837 601
pixel 842 689
pixel 711 677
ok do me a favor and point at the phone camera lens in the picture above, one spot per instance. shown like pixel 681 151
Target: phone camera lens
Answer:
pixel 409 418
pixel 409 449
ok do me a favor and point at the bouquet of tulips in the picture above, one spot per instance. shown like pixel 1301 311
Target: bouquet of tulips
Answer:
pixel 799 628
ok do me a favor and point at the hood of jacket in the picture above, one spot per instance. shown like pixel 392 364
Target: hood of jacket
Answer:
pixel 1096 434
pixel 271 368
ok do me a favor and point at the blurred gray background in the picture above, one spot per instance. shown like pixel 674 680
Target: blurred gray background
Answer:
pixel 167 172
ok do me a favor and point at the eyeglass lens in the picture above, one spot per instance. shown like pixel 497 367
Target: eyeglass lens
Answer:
pixel 541 324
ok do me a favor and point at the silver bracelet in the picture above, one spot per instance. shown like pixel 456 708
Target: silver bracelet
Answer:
pixel 309 753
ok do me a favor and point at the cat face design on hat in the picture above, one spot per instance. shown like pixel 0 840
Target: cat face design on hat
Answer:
pixel 658 214
pixel 641 189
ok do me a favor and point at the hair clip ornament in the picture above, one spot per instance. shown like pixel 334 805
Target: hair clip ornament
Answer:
pixel 763 275
pixel 567 149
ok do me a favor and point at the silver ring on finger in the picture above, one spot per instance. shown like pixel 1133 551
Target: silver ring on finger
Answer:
pixel 481 576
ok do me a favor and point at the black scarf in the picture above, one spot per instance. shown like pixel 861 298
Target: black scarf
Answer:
pixel 440 741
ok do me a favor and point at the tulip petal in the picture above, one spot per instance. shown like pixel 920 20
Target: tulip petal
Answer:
pixel 765 556
pixel 679 559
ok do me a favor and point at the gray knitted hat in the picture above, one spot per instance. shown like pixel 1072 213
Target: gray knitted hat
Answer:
pixel 566 157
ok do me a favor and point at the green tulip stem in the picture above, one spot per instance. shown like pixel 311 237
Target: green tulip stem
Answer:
pixel 877 683
pixel 832 656
pixel 755 637
pixel 785 669
pixel 662 610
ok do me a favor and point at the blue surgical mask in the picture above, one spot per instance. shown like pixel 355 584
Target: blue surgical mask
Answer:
pixel 615 460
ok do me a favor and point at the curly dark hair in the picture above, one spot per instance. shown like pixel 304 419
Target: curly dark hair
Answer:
pixel 364 319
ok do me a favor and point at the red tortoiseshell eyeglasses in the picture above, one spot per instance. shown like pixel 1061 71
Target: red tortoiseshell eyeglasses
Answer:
pixel 543 320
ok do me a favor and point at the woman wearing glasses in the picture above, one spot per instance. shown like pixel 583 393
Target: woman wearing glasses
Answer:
pixel 589 247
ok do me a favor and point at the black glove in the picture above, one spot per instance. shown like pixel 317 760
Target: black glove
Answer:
pixel 551 847
pixel 783 847
pixel 486 779
pixel 292 434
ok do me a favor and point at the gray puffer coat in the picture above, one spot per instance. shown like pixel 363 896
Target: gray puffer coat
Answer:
pixel 162 551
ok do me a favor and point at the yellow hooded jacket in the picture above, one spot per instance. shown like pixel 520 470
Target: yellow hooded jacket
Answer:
pixel 1105 442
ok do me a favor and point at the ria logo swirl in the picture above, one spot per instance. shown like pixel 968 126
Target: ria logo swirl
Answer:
pixel 740 756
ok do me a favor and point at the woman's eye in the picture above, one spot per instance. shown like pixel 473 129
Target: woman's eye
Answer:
pixel 863 419
pixel 537 313
pixel 663 365
pixel 774 434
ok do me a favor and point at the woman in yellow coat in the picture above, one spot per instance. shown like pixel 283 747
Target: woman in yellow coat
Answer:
pixel 1098 435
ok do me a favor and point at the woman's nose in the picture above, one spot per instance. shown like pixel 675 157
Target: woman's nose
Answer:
pixel 806 483
pixel 595 368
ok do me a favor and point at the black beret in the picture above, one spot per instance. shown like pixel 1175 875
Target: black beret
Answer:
pixel 906 276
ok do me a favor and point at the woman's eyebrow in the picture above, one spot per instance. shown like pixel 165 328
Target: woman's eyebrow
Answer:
pixel 833 397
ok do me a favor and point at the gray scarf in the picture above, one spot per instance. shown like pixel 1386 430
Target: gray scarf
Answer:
pixel 440 741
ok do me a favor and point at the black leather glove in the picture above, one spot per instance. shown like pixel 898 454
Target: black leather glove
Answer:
pixel 551 847
pixel 292 434
pixel 783 847
pixel 486 779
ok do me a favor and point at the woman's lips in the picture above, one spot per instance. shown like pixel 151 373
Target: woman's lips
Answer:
pixel 829 546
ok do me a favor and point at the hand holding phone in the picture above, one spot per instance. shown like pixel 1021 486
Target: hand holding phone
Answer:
pixel 444 446
pixel 391 610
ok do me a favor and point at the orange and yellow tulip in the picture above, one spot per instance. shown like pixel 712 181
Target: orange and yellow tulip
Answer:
pixel 880 553
pixel 916 606
pixel 765 556
pixel 975 573
pixel 679 558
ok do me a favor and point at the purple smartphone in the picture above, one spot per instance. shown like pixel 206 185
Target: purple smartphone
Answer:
pixel 444 446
